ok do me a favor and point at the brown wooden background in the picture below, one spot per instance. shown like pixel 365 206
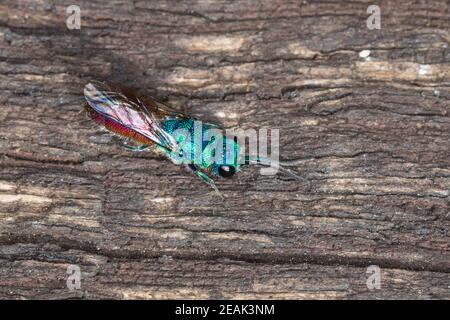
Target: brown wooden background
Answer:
pixel 369 134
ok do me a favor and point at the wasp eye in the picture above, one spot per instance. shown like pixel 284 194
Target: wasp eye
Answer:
pixel 226 171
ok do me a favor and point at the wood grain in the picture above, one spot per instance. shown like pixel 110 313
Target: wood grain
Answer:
pixel 369 133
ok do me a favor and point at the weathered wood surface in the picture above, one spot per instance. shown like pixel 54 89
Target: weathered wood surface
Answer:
pixel 369 134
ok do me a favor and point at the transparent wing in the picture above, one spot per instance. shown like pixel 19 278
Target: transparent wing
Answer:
pixel 127 112
pixel 164 111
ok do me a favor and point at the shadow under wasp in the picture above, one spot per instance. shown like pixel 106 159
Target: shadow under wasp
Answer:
pixel 150 124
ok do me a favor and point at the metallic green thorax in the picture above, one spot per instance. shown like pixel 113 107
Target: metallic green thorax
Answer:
pixel 199 142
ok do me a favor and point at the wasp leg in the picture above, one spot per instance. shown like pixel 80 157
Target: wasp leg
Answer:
pixel 204 177
pixel 135 148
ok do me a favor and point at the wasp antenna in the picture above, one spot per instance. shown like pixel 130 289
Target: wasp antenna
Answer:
pixel 290 173
pixel 268 162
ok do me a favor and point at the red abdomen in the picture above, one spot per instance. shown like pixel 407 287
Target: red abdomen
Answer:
pixel 116 127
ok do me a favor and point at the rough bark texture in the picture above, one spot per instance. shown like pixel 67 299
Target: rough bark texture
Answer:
pixel 369 132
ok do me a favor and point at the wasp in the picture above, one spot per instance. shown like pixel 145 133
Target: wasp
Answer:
pixel 150 124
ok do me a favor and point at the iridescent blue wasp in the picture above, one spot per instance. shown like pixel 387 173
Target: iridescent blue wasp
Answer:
pixel 147 123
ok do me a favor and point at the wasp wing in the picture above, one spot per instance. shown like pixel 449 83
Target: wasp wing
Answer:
pixel 159 109
pixel 130 113
pixel 164 111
